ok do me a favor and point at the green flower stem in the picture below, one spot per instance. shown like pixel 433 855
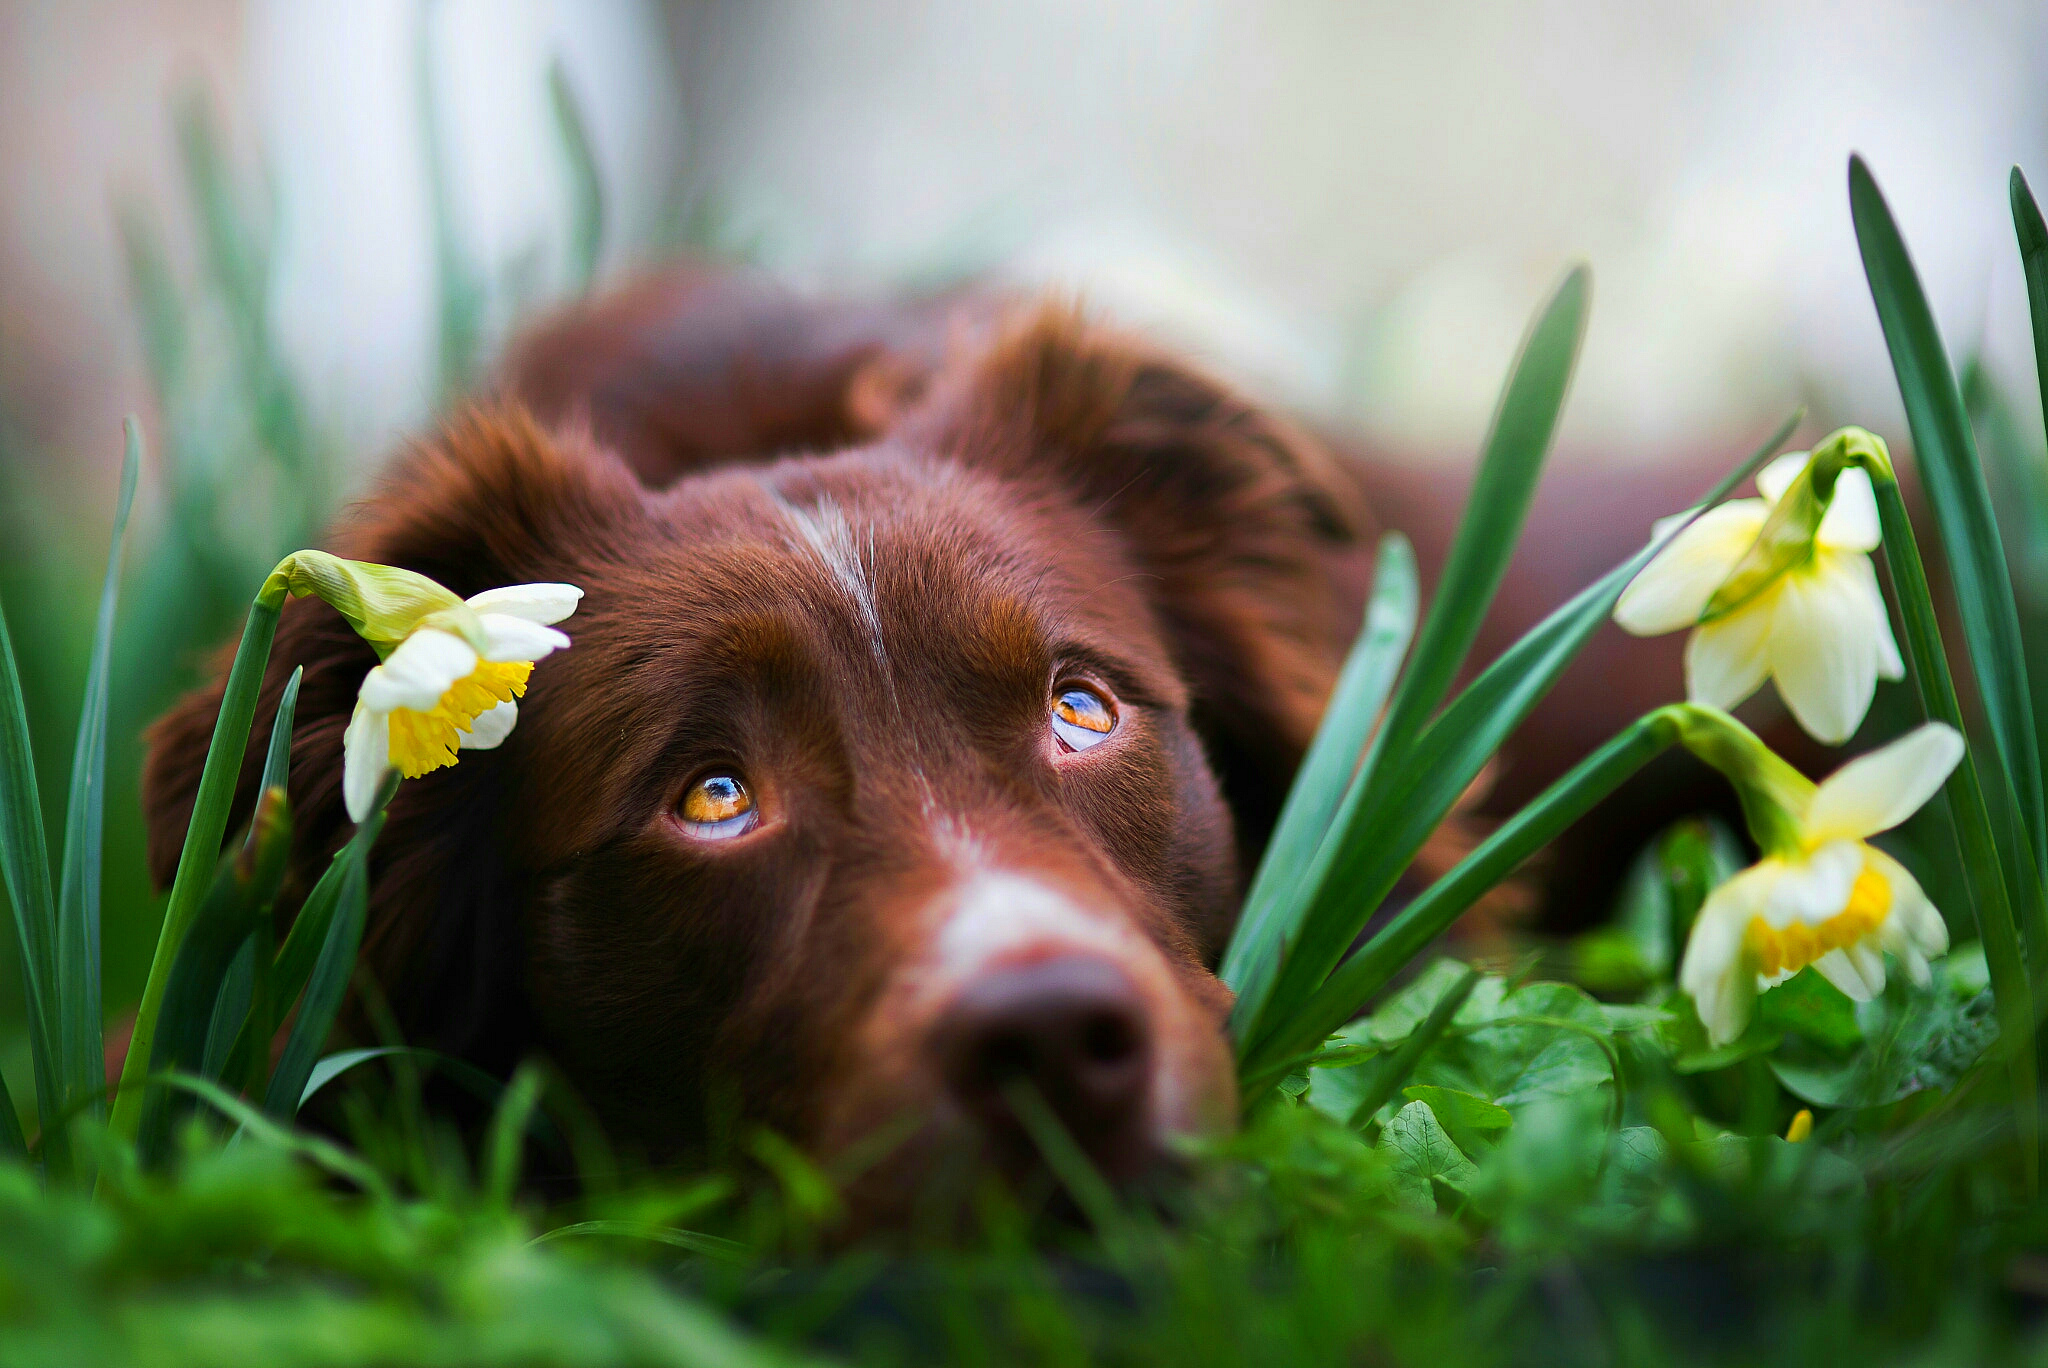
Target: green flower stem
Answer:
pixel 202 844
pixel 1373 966
pixel 1970 815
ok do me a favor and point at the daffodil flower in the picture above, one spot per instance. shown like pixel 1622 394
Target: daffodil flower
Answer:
pixel 437 694
pixel 1809 616
pixel 1822 895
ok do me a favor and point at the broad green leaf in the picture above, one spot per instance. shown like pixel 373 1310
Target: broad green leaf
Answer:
pixel 1915 1039
pixel 1945 454
pixel 1527 1050
pixel 1809 1007
pixel 76 985
pixel 1272 906
pixel 1472 1122
pixel 1420 1155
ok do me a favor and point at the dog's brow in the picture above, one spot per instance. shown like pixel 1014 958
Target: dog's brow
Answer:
pixel 830 536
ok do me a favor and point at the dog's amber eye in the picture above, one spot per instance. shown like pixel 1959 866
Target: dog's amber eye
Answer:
pixel 1081 717
pixel 717 807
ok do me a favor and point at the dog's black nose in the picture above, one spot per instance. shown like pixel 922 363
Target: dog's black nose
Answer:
pixel 1074 1029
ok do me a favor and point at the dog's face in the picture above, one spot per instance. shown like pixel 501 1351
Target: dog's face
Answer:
pixel 877 784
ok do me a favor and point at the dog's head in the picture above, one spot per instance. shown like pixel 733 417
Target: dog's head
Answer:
pixel 877 782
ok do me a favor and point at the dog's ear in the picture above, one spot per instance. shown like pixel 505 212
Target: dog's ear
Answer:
pixel 1249 533
pixel 493 500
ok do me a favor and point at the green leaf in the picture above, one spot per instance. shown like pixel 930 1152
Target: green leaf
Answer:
pixel 76 985
pixel 24 861
pixel 1809 1007
pixel 1916 1039
pixel 1389 814
pixel 328 983
pixel 13 1144
pixel 200 853
pixel 1420 1155
pixel 242 891
pixel 1527 1049
pixel 1472 1122
pixel 1945 453
pixel 1271 910
pixel 1502 488
pixel 2033 238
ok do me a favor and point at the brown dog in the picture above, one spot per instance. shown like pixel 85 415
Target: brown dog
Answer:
pixel 939 678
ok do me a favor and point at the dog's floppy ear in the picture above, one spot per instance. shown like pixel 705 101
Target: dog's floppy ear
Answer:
pixel 1249 533
pixel 493 500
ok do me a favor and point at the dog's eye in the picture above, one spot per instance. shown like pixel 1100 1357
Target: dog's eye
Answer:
pixel 1081 717
pixel 718 807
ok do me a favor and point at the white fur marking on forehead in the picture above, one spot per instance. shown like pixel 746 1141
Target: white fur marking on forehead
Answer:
pixel 831 537
pixel 995 913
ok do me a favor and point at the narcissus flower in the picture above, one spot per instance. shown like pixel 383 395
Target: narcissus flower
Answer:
pixel 1822 895
pixel 449 685
pixel 1806 612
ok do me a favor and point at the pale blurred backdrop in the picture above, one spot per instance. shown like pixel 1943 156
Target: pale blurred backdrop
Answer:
pixel 1354 206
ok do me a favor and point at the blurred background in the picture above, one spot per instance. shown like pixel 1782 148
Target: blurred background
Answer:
pixel 286 234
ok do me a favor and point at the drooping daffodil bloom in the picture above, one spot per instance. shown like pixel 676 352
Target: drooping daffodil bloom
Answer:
pixel 438 693
pixel 1805 611
pixel 1822 895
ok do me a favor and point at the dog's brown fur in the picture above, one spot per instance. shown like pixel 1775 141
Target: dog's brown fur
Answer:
pixel 1024 497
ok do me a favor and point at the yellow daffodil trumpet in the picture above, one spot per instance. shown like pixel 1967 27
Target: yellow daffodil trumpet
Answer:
pixel 1780 587
pixel 1822 895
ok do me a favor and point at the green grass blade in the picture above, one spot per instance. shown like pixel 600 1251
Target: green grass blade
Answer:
pixel 77 980
pixel 1945 453
pixel 1502 488
pixel 25 864
pixel 586 185
pixel 13 1144
pixel 459 291
pixel 241 893
pixel 244 998
pixel 1386 819
pixel 2033 237
pixel 1984 874
pixel 328 982
pixel 1327 771
pixel 1409 933
pixel 201 850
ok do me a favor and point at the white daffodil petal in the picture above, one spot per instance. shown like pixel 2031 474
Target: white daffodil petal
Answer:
pixel 1822 650
pixel 508 638
pixel 1847 973
pixel 1915 923
pixel 423 668
pixel 366 758
pixel 1850 523
pixel 489 729
pixel 1876 792
pixel 1674 587
pixel 542 603
pixel 1774 479
pixel 1713 973
pixel 1728 660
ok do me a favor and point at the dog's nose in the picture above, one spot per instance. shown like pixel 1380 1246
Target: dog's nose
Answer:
pixel 1075 1030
